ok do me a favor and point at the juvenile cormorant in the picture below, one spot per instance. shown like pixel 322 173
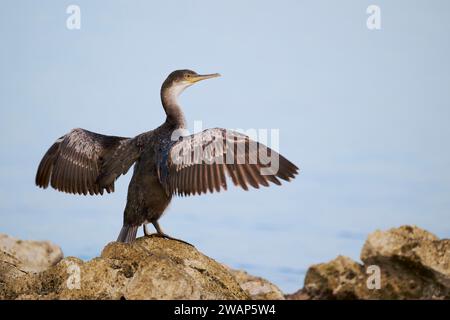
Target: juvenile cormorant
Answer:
pixel 166 162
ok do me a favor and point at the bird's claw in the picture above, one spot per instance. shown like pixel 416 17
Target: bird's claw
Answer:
pixel 165 236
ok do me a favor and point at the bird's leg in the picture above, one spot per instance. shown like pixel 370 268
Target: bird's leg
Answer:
pixel 160 233
pixel 146 233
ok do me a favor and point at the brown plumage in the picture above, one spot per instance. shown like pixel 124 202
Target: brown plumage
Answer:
pixel 166 163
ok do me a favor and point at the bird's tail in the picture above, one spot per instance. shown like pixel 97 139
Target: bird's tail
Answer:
pixel 127 233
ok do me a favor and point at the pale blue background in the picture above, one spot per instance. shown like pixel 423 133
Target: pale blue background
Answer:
pixel 365 114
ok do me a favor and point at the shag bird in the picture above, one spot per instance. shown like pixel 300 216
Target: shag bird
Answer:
pixel 166 162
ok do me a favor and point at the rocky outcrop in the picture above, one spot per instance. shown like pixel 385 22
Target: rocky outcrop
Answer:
pixel 29 256
pixel 411 262
pixel 150 268
pixel 341 278
pixel 257 288
pixel 402 263
pixel 20 258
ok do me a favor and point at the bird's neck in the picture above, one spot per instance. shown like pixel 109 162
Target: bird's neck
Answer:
pixel 169 99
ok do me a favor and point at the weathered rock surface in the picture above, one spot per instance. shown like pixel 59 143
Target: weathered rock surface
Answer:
pixel 150 268
pixel 413 264
pixel 341 278
pixel 257 288
pixel 29 256
pixel 19 258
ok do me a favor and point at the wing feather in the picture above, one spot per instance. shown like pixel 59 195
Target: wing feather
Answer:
pixel 187 172
pixel 85 162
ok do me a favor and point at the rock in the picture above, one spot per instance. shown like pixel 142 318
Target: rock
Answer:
pixel 340 278
pixel 413 264
pixel 29 256
pixel 9 274
pixel 19 258
pixel 149 268
pixel 257 288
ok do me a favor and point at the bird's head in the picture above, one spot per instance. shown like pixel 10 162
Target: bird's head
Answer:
pixel 179 80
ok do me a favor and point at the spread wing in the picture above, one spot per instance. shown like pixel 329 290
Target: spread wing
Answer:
pixel 83 162
pixel 199 163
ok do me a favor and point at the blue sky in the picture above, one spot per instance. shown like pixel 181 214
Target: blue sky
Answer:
pixel 363 113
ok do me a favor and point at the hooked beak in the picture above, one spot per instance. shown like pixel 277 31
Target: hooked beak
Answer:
pixel 201 77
